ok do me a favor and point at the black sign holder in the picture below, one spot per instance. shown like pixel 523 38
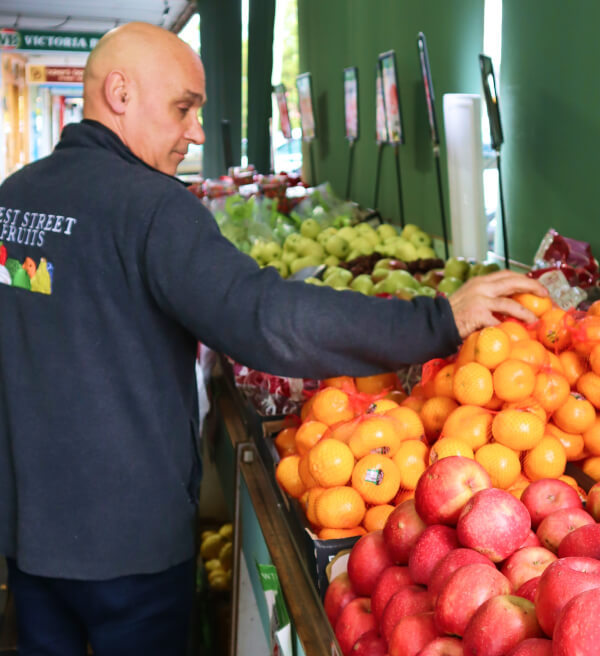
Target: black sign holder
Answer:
pixel 490 93
pixel 433 128
pixel 391 98
pixel 307 117
pixel 350 117
pixel 381 135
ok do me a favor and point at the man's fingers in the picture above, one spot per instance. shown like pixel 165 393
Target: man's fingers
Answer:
pixel 508 306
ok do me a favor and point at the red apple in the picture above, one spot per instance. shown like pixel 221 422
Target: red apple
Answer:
pixel 339 592
pixel 547 495
pixel 368 558
pixel 525 564
pixel 493 522
pixel 445 646
pixel 450 563
pixel 499 624
pixel 464 591
pixel 532 647
pixel 369 644
pixel 354 620
pixel 561 581
pixel 577 630
pixel 531 540
pixel 388 583
pixel 411 634
pixel 445 487
pixel 528 589
pixel 592 505
pixel 583 541
pixel 433 544
pixel 401 530
pixel 410 599
pixel 555 526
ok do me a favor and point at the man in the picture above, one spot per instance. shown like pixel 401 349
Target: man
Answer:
pixel 99 467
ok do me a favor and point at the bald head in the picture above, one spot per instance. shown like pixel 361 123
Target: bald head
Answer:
pixel 141 79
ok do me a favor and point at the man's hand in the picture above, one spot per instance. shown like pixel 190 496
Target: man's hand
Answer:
pixel 474 303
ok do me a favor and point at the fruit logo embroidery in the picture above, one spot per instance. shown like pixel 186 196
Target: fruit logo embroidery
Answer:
pixel 27 274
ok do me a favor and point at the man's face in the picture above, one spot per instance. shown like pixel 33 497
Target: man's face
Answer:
pixel 164 120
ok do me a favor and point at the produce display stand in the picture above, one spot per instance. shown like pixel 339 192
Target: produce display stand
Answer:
pixel 262 530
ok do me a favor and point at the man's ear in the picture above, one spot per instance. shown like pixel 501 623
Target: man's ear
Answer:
pixel 116 91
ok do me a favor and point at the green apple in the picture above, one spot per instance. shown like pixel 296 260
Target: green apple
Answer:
pixel 383 263
pixel 401 278
pixel 475 269
pixel 288 256
pixel 382 287
pixel 291 241
pixel 281 267
pixel 256 251
pixel 362 245
pixel 310 228
pixel 311 247
pixel 363 284
pixel 386 230
pixel 457 267
pixel 424 290
pixel 426 253
pixel 432 278
pixel 347 232
pixel 404 250
pixel 331 260
pixel 338 246
pixel 406 293
pixel 302 262
pixel 449 285
pixel 352 255
pixel 490 267
pixel 384 249
pixel 420 238
pixel 324 235
pixel 271 251
pixel 408 230
pixel 339 272
pixel 311 280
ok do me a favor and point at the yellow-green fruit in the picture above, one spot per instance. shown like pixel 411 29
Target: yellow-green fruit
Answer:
pixel 213 563
pixel 206 534
pixel 211 546
pixel 227 531
pixel 226 555
pixel 218 580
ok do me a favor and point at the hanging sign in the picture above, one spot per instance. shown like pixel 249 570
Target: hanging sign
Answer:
pixel 305 103
pixel 55 74
pixel 351 102
pixel 284 116
pixel 393 118
pixel 381 134
pixel 12 39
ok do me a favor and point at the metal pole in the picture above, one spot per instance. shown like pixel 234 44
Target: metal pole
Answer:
pixel 436 154
pixel 313 170
pixel 377 175
pixel 399 184
pixel 350 164
pixel 503 214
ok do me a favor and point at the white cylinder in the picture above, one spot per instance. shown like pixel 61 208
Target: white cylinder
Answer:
pixel 462 126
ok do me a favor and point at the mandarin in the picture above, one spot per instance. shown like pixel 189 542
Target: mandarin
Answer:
pixel 586 334
pixel 470 423
pixel 575 415
pixel 376 517
pixel 530 351
pixel 411 459
pixel 376 478
pixel 472 384
pixel 285 441
pixel 518 429
pixel 342 430
pixel 331 405
pixel 536 304
pixel 330 463
pixel 288 477
pixel 553 329
pixel 413 402
pixel 594 359
pixel 442 381
pixel 408 423
pixel 588 384
pixel 434 413
pixel 377 383
pixel 381 406
pixel 345 383
pixel 574 366
pixel 308 434
pixel 341 533
pixel 500 462
pixel 492 347
pixel 591 438
pixel 551 389
pixel 374 433
pixel 313 495
pixel 594 309
pixel 572 443
pixel 546 460
pixel 339 507
pixel 514 329
pixel 304 472
pixel 466 352
pixel 449 446
pixel 514 380
pixel 591 467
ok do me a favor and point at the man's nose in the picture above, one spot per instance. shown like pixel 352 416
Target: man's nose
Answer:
pixel 195 132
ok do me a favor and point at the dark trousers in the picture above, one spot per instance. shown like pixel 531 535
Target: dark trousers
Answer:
pixel 139 615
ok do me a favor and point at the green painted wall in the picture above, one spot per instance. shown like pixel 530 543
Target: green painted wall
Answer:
pixel 550 104
pixel 338 33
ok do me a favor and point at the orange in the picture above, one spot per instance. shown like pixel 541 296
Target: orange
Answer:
pixel 397 395
pixel 594 309
pixel 575 415
pixel 536 304
pixel 517 429
pixel 591 467
pixel 514 330
pixel 304 472
pixel 342 430
pixel 285 442
pixel 341 533
pixel 588 384
pixel 492 347
pixel 470 423
pixel 551 389
pixel 330 462
pixel 530 351
pixel 345 383
pixel 473 384
pixel 591 438
pixel 573 483
pixel 403 495
pixel 519 485
pixel 530 405
pixel 376 517
pixel 574 365
pixel 381 406
pixel 494 403
pixel 500 462
pixel 434 413
pixel 595 359
pixel 572 443
pixel 306 410
pixel 546 460
pixel 555 364
pixel 449 446
pixel 428 389
pixel 339 507
pixel 288 477
pixel 377 383
pixel 442 381
pixel 553 329
pixel 514 380
pixel 312 496
pixel 586 334
pixel 374 433
pixel 408 423
pixel 411 459
pixel 376 478
pixel 413 402
pixel 331 405
pixel 466 352
pixel 308 434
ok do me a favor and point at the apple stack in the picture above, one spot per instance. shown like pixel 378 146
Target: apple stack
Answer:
pixel 458 570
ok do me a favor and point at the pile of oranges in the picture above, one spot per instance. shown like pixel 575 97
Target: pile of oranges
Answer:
pixel 521 400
